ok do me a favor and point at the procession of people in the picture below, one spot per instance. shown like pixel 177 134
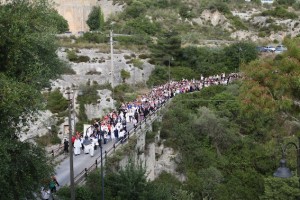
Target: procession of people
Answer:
pixel 113 126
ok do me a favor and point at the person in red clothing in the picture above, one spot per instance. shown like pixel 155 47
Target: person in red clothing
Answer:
pixel 73 140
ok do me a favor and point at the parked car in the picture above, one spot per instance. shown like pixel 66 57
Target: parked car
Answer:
pixel 270 48
pixel 280 49
pixel 261 49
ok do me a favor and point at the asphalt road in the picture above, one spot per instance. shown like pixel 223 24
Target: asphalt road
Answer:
pixel 80 162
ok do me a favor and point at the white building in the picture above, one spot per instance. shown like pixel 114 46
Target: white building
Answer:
pixel 267 1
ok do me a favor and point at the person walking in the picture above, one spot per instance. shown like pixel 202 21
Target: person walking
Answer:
pixel 66 146
pixel 45 193
pixel 53 184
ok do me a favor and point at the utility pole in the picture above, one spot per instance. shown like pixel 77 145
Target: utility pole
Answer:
pixel 72 189
pixel 112 64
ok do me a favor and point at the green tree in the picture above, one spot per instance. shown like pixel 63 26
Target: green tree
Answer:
pixel 61 23
pixel 56 102
pixel 167 49
pixel 27 42
pixel 23 168
pixel 239 53
pixel 135 9
pixel 28 60
pixel 124 75
pixel 280 188
pixel 96 19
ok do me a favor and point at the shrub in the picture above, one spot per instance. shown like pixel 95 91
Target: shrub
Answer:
pixel 93 72
pixel 280 12
pixel 220 6
pixel 127 57
pixel 56 102
pixel 68 70
pixel 150 137
pixel 236 21
pixel 137 63
pixel 48 139
pixel 89 94
pixel 144 56
pixel 72 56
pixel 270 20
pixel 83 59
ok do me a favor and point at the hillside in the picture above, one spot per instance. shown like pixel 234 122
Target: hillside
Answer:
pixel 197 22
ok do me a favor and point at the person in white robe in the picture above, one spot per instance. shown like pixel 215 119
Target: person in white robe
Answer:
pixel 112 133
pixel 122 134
pixel 91 147
pixel 77 146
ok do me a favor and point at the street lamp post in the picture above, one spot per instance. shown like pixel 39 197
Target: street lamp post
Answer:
pixel 102 175
pixel 170 59
pixel 283 171
pixel 169 70
pixel 102 178
pixel 240 50
pixel 86 140
pixel 72 188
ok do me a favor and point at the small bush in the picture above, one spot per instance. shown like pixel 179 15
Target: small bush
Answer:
pixel 156 126
pixel 89 94
pixel 137 63
pixel 150 137
pixel 93 72
pixel 144 56
pixel 127 57
pixel 280 12
pixel 83 59
pixel 68 70
pixel 72 56
pixel 107 85
pixel 238 24
pixel 48 139
pixel 56 103
pixel 270 20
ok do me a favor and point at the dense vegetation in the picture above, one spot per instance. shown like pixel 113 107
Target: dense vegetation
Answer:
pixel 280 12
pixel 190 62
pixel 228 138
pixel 251 117
pixel 129 183
pixel 27 61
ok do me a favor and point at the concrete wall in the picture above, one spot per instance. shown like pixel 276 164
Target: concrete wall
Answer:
pixel 76 12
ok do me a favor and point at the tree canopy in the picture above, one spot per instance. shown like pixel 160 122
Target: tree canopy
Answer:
pixel 28 60
pixel 96 19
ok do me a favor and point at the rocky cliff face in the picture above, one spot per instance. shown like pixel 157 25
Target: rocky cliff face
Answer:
pixel 155 157
pixel 84 73
pixel 76 12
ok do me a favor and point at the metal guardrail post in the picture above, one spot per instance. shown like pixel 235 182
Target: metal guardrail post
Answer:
pixel 52 152
pixel 114 147
pixel 105 154
pixel 86 172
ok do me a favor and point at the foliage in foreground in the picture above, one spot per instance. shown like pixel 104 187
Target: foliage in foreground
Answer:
pixel 129 182
pixel 28 60
pixel 210 127
pixel 190 62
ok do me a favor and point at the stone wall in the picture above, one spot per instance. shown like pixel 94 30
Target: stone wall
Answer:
pixel 76 12
pixel 154 157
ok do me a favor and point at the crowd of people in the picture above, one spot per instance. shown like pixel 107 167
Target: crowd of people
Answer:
pixel 113 126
